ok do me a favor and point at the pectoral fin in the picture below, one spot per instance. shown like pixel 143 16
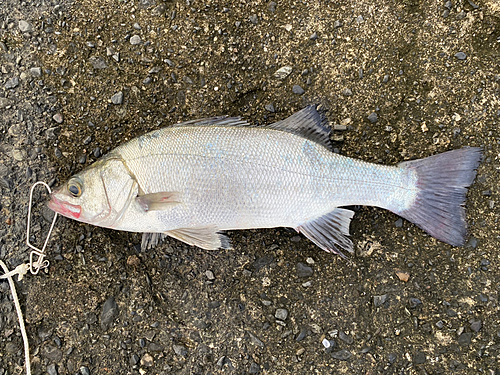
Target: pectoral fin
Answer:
pixel 330 231
pixel 205 237
pixel 158 201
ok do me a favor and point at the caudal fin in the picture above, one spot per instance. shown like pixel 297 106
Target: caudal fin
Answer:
pixel 442 181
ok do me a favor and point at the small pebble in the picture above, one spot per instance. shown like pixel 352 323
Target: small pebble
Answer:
pixel 135 40
pixel 347 92
pixel 147 360
pixel 314 36
pixel 476 325
pixel 451 313
pixel 342 355
pixel 12 83
pixel 379 300
pixel 253 19
pixel 465 338
pixel 255 340
pixel 180 350
pixel 254 368
pixel 296 89
pixel 337 24
pixel 281 314
pixel 399 223
pixel 52 369
pixel 373 118
pixel 403 276
pixel 25 26
pixel 58 118
pixel 36 72
pixel 326 343
pixel 283 72
pixel 475 6
pixel 302 334
pixel 419 358
pixel 303 270
pixel 98 62
pixel 270 107
pixel 460 55
pixel 84 370
pixel 117 98
pixel 440 324
pixel 345 337
pixel 134 359
pixel 109 313
pixel 19 155
pixel 210 275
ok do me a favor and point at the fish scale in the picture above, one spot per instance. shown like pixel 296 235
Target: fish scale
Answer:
pixel 268 178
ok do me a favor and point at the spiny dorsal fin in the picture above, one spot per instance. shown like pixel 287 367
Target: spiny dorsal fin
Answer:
pixel 214 121
pixel 307 123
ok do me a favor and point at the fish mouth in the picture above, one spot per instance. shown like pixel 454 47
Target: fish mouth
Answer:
pixel 72 211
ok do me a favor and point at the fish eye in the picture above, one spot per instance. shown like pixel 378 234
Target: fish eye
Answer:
pixel 75 187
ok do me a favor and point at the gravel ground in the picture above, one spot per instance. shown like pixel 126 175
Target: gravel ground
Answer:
pixel 398 81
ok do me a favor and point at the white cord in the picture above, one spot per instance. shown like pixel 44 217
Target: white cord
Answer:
pixel 20 270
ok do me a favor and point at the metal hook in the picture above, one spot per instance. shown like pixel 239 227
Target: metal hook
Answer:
pixel 40 262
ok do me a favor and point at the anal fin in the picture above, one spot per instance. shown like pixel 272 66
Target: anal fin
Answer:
pixel 207 238
pixel 330 232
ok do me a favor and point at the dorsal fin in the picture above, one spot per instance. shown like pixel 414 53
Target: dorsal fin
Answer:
pixel 214 121
pixel 307 123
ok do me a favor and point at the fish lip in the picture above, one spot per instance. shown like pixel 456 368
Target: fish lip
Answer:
pixel 64 208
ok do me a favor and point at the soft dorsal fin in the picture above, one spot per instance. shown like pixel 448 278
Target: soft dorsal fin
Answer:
pixel 307 123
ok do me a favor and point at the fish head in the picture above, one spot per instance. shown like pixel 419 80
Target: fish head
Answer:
pixel 98 195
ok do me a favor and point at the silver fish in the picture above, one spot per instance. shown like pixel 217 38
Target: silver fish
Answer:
pixel 194 180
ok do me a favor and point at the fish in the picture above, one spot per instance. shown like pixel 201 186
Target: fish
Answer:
pixel 196 180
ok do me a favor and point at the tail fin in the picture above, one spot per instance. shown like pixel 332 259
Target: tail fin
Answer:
pixel 442 181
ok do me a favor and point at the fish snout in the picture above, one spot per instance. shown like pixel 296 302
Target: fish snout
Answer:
pixel 72 211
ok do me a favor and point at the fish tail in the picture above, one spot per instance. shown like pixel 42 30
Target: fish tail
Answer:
pixel 442 182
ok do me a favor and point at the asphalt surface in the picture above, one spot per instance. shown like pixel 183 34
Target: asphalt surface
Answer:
pixel 397 81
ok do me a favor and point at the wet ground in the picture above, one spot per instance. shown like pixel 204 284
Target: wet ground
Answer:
pixel 399 80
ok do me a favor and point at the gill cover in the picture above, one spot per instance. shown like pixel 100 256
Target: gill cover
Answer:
pixel 120 189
